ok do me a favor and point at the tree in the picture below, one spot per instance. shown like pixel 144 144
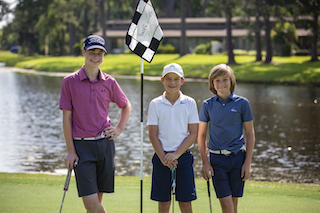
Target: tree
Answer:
pixel 24 23
pixel 103 19
pixel 266 11
pixel 56 23
pixel 310 8
pixel 204 8
pixel 284 36
pixel 4 9
pixel 170 8
pixel 228 14
pixel 257 30
pixel 183 38
pixel 251 8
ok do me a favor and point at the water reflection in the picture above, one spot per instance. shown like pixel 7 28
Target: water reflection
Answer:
pixel 31 137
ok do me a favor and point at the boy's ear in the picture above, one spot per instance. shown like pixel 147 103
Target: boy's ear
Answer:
pixel 83 51
pixel 182 80
pixel 162 79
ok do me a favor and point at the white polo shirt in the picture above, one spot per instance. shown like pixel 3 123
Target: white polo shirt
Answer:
pixel 172 120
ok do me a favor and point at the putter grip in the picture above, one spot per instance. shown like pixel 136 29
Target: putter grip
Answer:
pixel 66 184
pixel 208 184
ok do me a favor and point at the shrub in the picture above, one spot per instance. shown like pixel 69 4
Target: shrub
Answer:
pixel 166 49
pixel 203 49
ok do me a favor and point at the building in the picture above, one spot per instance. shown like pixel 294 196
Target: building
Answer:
pixel 198 31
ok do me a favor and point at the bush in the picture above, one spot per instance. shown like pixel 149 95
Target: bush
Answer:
pixel 284 37
pixel 166 49
pixel 203 49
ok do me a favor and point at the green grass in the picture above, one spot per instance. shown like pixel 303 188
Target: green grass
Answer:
pixel 43 193
pixel 294 69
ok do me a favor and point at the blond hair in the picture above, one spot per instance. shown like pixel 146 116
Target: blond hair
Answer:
pixel 219 70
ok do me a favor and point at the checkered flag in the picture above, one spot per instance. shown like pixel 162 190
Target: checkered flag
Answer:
pixel 144 34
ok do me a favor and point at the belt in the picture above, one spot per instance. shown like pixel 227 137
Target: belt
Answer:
pixel 224 152
pixel 220 152
pixel 92 138
pixel 188 150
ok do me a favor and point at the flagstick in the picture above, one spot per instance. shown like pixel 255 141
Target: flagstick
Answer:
pixel 141 142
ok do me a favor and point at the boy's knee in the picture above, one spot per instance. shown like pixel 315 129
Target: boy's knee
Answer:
pixel 90 207
pixel 227 203
pixel 164 206
pixel 92 204
pixel 185 207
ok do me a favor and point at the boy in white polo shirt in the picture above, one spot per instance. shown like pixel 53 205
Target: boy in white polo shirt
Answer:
pixel 173 128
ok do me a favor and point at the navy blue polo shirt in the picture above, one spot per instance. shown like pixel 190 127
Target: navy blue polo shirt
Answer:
pixel 225 120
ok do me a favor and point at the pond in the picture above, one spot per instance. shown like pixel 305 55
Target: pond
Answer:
pixel 287 125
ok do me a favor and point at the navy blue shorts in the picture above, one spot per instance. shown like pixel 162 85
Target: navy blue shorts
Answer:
pixel 227 174
pixel 95 170
pixel 162 180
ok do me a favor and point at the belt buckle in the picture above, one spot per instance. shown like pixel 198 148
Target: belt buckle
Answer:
pixel 225 152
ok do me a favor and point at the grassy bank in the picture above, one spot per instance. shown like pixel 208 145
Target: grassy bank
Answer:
pixel 291 70
pixel 43 193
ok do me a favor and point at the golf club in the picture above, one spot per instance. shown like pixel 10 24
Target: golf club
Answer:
pixel 209 194
pixel 66 186
pixel 173 187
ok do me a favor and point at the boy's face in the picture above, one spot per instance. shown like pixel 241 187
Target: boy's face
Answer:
pixel 93 57
pixel 172 82
pixel 222 85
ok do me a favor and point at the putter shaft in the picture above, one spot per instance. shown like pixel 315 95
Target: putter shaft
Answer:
pixel 65 188
pixel 173 187
pixel 209 194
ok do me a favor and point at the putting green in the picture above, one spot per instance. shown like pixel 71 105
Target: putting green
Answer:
pixel 43 193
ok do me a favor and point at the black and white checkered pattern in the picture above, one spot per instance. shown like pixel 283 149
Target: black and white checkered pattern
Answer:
pixel 144 34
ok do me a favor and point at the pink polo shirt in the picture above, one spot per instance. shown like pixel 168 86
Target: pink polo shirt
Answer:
pixel 89 101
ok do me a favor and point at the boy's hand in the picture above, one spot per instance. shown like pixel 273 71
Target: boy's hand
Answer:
pixel 207 171
pixel 71 159
pixel 246 171
pixel 169 164
pixel 171 159
pixel 112 132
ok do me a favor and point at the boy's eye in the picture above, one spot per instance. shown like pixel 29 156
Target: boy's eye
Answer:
pixel 95 53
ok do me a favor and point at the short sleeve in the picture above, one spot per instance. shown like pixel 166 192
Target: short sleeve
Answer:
pixel 152 114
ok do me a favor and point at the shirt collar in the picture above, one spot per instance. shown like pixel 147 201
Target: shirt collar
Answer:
pixel 180 100
pixel 83 75
pixel 230 98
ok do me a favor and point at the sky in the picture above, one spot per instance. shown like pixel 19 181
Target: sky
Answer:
pixel 10 16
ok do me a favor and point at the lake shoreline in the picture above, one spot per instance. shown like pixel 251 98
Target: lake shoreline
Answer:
pixel 152 78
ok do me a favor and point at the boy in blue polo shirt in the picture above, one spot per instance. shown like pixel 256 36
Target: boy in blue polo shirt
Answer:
pixel 230 149
pixel 173 128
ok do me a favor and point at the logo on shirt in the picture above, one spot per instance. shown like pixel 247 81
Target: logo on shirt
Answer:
pixel 103 90
pixel 233 110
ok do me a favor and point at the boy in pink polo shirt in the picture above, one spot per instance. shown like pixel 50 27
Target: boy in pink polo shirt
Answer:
pixel 85 98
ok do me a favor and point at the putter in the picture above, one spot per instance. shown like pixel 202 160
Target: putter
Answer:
pixel 66 186
pixel 173 187
pixel 209 194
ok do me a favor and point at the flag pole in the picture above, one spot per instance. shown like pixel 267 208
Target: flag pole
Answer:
pixel 141 139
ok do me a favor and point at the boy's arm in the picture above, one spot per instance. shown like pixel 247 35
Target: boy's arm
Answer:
pixel 71 157
pixel 250 141
pixel 188 141
pixel 124 116
pixel 207 170
pixel 156 143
